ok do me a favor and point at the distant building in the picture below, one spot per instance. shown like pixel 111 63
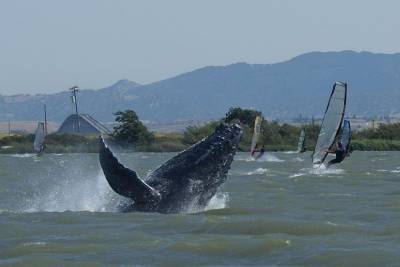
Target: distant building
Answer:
pixel 87 125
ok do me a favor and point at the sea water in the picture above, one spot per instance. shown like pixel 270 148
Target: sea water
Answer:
pixel 58 210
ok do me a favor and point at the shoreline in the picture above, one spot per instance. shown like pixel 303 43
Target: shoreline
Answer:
pixel 171 142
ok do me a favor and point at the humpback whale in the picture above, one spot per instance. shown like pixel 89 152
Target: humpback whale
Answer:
pixel 190 178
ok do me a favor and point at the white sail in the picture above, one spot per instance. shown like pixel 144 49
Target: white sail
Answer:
pixel 256 134
pixel 331 122
pixel 38 143
pixel 301 142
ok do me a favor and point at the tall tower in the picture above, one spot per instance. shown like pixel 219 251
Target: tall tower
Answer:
pixel 74 90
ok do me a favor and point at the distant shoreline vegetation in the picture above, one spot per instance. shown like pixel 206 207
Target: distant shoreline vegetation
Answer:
pixel 132 135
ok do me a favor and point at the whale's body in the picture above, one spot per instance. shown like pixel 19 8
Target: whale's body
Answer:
pixel 190 178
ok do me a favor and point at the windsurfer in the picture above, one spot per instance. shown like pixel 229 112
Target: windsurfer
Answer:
pixel 262 151
pixel 340 154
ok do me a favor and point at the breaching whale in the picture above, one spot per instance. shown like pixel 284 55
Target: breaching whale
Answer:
pixel 189 179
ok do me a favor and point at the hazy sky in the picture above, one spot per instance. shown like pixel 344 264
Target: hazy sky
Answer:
pixel 48 45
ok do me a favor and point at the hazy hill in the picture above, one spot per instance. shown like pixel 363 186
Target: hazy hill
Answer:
pixel 281 90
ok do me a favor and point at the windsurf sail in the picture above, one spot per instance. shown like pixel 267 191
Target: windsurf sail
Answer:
pixel 38 143
pixel 302 141
pixel 331 122
pixel 256 134
pixel 345 135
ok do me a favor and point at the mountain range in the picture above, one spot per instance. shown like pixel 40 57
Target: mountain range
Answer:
pixel 281 91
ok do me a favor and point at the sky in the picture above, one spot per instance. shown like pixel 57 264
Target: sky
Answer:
pixel 47 46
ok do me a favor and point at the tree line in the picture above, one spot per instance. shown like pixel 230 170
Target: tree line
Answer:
pixel 275 136
pixel 133 134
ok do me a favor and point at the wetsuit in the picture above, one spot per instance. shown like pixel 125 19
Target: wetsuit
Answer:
pixel 340 155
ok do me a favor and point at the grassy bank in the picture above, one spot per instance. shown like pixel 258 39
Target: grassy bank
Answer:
pixel 274 136
pixel 376 145
pixel 68 143
pixel 55 143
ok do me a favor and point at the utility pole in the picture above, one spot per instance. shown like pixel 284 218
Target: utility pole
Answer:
pixel 9 128
pixel 74 90
pixel 45 119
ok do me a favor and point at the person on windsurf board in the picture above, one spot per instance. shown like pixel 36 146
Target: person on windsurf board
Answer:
pixel 332 124
pixel 256 135
pixel 343 148
pixel 339 152
pixel 262 151
pixel 301 148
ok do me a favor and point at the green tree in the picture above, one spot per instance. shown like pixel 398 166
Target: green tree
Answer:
pixel 193 134
pixel 130 129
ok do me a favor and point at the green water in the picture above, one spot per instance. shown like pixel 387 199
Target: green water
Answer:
pixel 58 210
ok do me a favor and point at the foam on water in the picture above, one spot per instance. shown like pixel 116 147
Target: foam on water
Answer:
pixel 32 244
pixel 26 155
pixel 397 170
pixel 258 171
pixel 290 152
pixel 270 158
pixel 322 170
pixel 297 175
pixel 265 158
pixel 299 159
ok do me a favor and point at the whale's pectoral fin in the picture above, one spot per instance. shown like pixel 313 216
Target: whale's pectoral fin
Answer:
pixel 123 180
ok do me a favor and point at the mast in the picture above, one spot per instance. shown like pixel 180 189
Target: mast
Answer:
pixel 45 119
pixel 74 90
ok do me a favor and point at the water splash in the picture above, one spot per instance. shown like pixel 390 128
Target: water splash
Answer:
pixel 218 201
pixel 74 195
pixel 297 175
pixel 322 170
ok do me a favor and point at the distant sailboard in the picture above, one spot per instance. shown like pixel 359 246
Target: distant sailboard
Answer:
pixel 302 141
pixel 40 134
pixel 331 122
pixel 256 134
